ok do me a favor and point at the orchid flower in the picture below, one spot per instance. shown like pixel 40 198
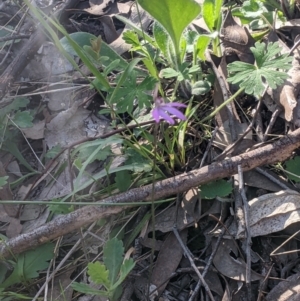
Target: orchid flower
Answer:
pixel 164 110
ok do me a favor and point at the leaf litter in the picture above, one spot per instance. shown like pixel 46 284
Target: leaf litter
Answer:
pixel 64 114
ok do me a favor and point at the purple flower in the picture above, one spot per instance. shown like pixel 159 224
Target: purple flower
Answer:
pixel 164 110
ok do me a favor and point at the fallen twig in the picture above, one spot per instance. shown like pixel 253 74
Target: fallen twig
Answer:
pixel 268 154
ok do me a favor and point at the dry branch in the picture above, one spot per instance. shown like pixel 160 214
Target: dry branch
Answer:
pixel 268 154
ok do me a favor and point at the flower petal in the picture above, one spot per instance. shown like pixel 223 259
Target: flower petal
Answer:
pixel 165 116
pixel 175 112
pixel 155 114
pixel 174 104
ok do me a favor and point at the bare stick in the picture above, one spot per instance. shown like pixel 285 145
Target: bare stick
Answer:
pixel 268 154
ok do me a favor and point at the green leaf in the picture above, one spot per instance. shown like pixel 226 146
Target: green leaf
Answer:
pixel 3 181
pixel 97 147
pixel 130 92
pixel 136 28
pixel 162 40
pixel 293 166
pixel 113 252
pixel 123 180
pixel 29 263
pixel 174 16
pixel 219 188
pixel 201 46
pixel 89 152
pixel 99 274
pixel 252 78
pixel 18 102
pixel 12 148
pixel 131 37
pixel 86 289
pixel 127 72
pixel 23 119
pixel 200 87
pixel 3 271
pixel 137 161
pixel 81 38
pixel 84 38
pixel 126 268
pixel 51 153
pixel 211 11
pixel 168 73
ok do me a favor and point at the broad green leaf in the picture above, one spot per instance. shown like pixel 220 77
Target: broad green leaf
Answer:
pixel 84 38
pixel 162 39
pixel 137 161
pixel 98 273
pixel 254 78
pixel 29 264
pixel 201 46
pixel 23 119
pixel 293 166
pixel 219 188
pixel 86 289
pixel 113 252
pixel 18 102
pixel 3 181
pixel 208 13
pixel 191 39
pixel 211 11
pixel 123 78
pixel 200 87
pixel 168 73
pixel 123 180
pixel 81 38
pixel 174 16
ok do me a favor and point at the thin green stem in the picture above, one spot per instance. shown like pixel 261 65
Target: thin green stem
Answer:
pixel 219 108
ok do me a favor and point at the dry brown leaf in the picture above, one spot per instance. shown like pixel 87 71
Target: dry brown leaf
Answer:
pixel 109 29
pixel 99 7
pixel 167 261
pixel 14 228
pixel 292 27
pixel 191 204
pixel 211 278
pixel 36 131
pixel 31 225
pixel 234 268
pixel 286 290
pixel 273 212
pixel 286 96
pixel 164 221
pixel 255 179
pixel 61 289
pixel 6 194
pixel 237 40
pixel 141 19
